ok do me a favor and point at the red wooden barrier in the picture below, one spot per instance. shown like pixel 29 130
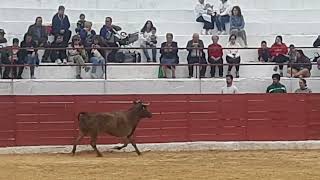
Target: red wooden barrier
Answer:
pixel 52 120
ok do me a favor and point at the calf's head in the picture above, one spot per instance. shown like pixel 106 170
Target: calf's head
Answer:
pixel 142 109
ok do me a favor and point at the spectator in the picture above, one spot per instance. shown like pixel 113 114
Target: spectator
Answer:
pixel 316 43
pixel 77 54
pixel 29 55
pixel 3 51
pixel 303 87
pixel 276 86
pixel 169 55
pixel 87 34
pixel 61 24
pixel 264 52
pixel 279 52
pixel 301 67
pixel 215 54
pixel 233 57
pixel 204 14
pixel 149 40
pixel 58 56
pixel 80 23
pixel 13 59
pixel 229 88
pixel 237 24
pixel 108 33
pixel 40 37
pixel 196 55
pixel 96 57
pixel 292 54
pixel 223 16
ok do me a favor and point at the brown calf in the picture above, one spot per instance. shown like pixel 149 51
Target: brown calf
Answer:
pixel 119 124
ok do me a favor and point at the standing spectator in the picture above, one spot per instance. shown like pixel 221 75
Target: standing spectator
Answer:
pixel 215 54
pixel 204 14
pixel 96 57
pixel 149 40
pixel 233 57
pixel 59 55
pixel 40 37
pixel 303 87
pixel 87 34
pixel 169 55
pixel 237 24
pixel 3 51
pixel 29 55
pixel 80 23
pixel 77 54
pixel 61 24
pixel 279 52
pixel 301 67
pixel 108 33
pixel 229 88
pixel 276 86
pixel 223 16
pixel 13 59
pixel 264 52
pixel 196 55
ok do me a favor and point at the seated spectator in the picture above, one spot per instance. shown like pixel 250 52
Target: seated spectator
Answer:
pixel 264 52
pixel 292 54
pixel 233 57
pixel 61 24
pixel 96 57
pixel 13 59
pixel 108 33
pixel 276 86
pixel 237 24
pixel 169 55
pixel 316 43
pixel 196 55
pixel 279 52
pixel 28 55
pixel 229 88
pixel 224 13
pixel 78 55
pixel 3 51
pixel 301 67
pixel 303 87
pixel 59 55
pixel 80 23
pixel 204 14
pixel 149 40
pixel 215 54
pixel 40 37
pixel 87 34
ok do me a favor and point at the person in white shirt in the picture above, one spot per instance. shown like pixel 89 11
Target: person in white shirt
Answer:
pixel 205 14
pixel 229 88
pixel 148 40
pixel 233 57
pixel 223 13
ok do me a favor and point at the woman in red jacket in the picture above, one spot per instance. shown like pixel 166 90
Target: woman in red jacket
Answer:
pixel 279 51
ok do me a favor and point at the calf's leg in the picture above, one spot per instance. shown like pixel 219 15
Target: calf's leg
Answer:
pixel 133 143
pixel 76 142
pixel 125 141
pixel 93 144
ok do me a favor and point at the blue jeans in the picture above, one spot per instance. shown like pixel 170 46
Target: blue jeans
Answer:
pixel 97 61
pixel 32 61
pixel 222 21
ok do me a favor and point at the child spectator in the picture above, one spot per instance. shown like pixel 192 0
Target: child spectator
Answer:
pixel 276 86
pixel 77 54
pixel 264 52
pixel 169 55
pixel 96 57
pixel 206 15
pixel 13 60
pixel 229 88
pixel 233 57
pixel 237 24
pixel 80 23
pixel 86 35
pixel 223 16
pixel 29 55
pixel 279 52
pixel 196 55
pixel 303 88
pixel 215 54
pixel 61 24
pixel 301 67
pixel 149 40
pixel 59 56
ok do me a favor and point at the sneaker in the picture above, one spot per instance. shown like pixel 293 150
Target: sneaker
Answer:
pixel 58 61
pixel 224 33
pixel 78 77
pixel 275 68
pixel 65 61
pixel 94 76
pixel 219 32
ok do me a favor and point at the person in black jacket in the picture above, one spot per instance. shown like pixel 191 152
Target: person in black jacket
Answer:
pixel 169 55
pixel 196 55
pixel 59 55
pixel 29 55
pixel 61 24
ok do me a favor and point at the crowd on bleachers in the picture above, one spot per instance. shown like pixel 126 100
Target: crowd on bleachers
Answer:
pixel 85 46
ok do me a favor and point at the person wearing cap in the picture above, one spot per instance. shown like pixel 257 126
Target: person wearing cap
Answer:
pixel 61 24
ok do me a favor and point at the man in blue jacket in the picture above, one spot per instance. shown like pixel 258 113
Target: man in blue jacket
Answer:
pixel 61 24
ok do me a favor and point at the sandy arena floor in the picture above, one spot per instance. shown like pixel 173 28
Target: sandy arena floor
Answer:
pixel 251 165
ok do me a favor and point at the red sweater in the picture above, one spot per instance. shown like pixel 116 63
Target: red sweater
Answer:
pixel 215 50
pixel 278 49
